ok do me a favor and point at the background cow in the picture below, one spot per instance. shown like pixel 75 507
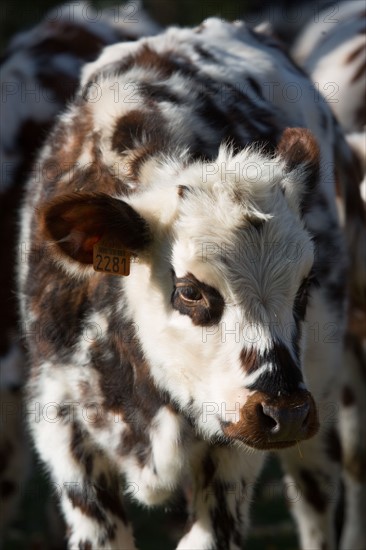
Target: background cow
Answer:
pixel 334 55
pixel 134 168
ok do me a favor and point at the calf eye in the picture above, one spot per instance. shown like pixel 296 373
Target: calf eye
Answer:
pixel 201 302
pixel 189 294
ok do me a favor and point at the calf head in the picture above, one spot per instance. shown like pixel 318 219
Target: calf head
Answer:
pixel 219 291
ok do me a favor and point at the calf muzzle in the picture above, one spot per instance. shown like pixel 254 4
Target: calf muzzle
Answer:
pixel 268 422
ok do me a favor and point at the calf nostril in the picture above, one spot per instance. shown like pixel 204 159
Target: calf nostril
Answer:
pixel 274 422
pixel 283 423
pixel 267 418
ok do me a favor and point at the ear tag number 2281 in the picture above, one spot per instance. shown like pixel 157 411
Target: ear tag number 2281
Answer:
pixel 110 257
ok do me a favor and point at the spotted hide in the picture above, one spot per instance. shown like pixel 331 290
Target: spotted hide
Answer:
pixel 334 54
pixel 332 50
pixel 185 160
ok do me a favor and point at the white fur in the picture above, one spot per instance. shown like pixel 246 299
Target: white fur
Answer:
pixel 210 371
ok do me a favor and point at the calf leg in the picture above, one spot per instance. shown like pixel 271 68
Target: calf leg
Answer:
pixel 87 485
pixel 312 481
pixel 223 487
pixel 155 468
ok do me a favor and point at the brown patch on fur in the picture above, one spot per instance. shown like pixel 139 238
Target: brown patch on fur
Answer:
pixel 312 492
pixel 298 147
pixel 249 359
pixel 250 430
pixel 148 58
pixel 78 449
pixel 59 170
pixel 87 505
pixel 130 128
pixel 139 133
pixel 128 442
pixel 127 388
pixel 59 307
pixel 138 158
pixel 109 497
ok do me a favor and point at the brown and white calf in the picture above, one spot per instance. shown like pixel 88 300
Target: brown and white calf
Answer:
pixel 225 340
pixel 334 54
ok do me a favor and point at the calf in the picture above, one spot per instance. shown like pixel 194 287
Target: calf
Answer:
pixel 212 320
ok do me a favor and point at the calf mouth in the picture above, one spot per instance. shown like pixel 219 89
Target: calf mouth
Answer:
pixel 268 423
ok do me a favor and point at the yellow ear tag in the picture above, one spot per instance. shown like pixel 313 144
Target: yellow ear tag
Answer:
pixel 110 257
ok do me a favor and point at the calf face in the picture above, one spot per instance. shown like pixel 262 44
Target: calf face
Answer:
pixel 219 286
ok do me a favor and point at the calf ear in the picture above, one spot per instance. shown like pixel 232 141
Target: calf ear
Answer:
pixel 301 153
pixel 76 222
